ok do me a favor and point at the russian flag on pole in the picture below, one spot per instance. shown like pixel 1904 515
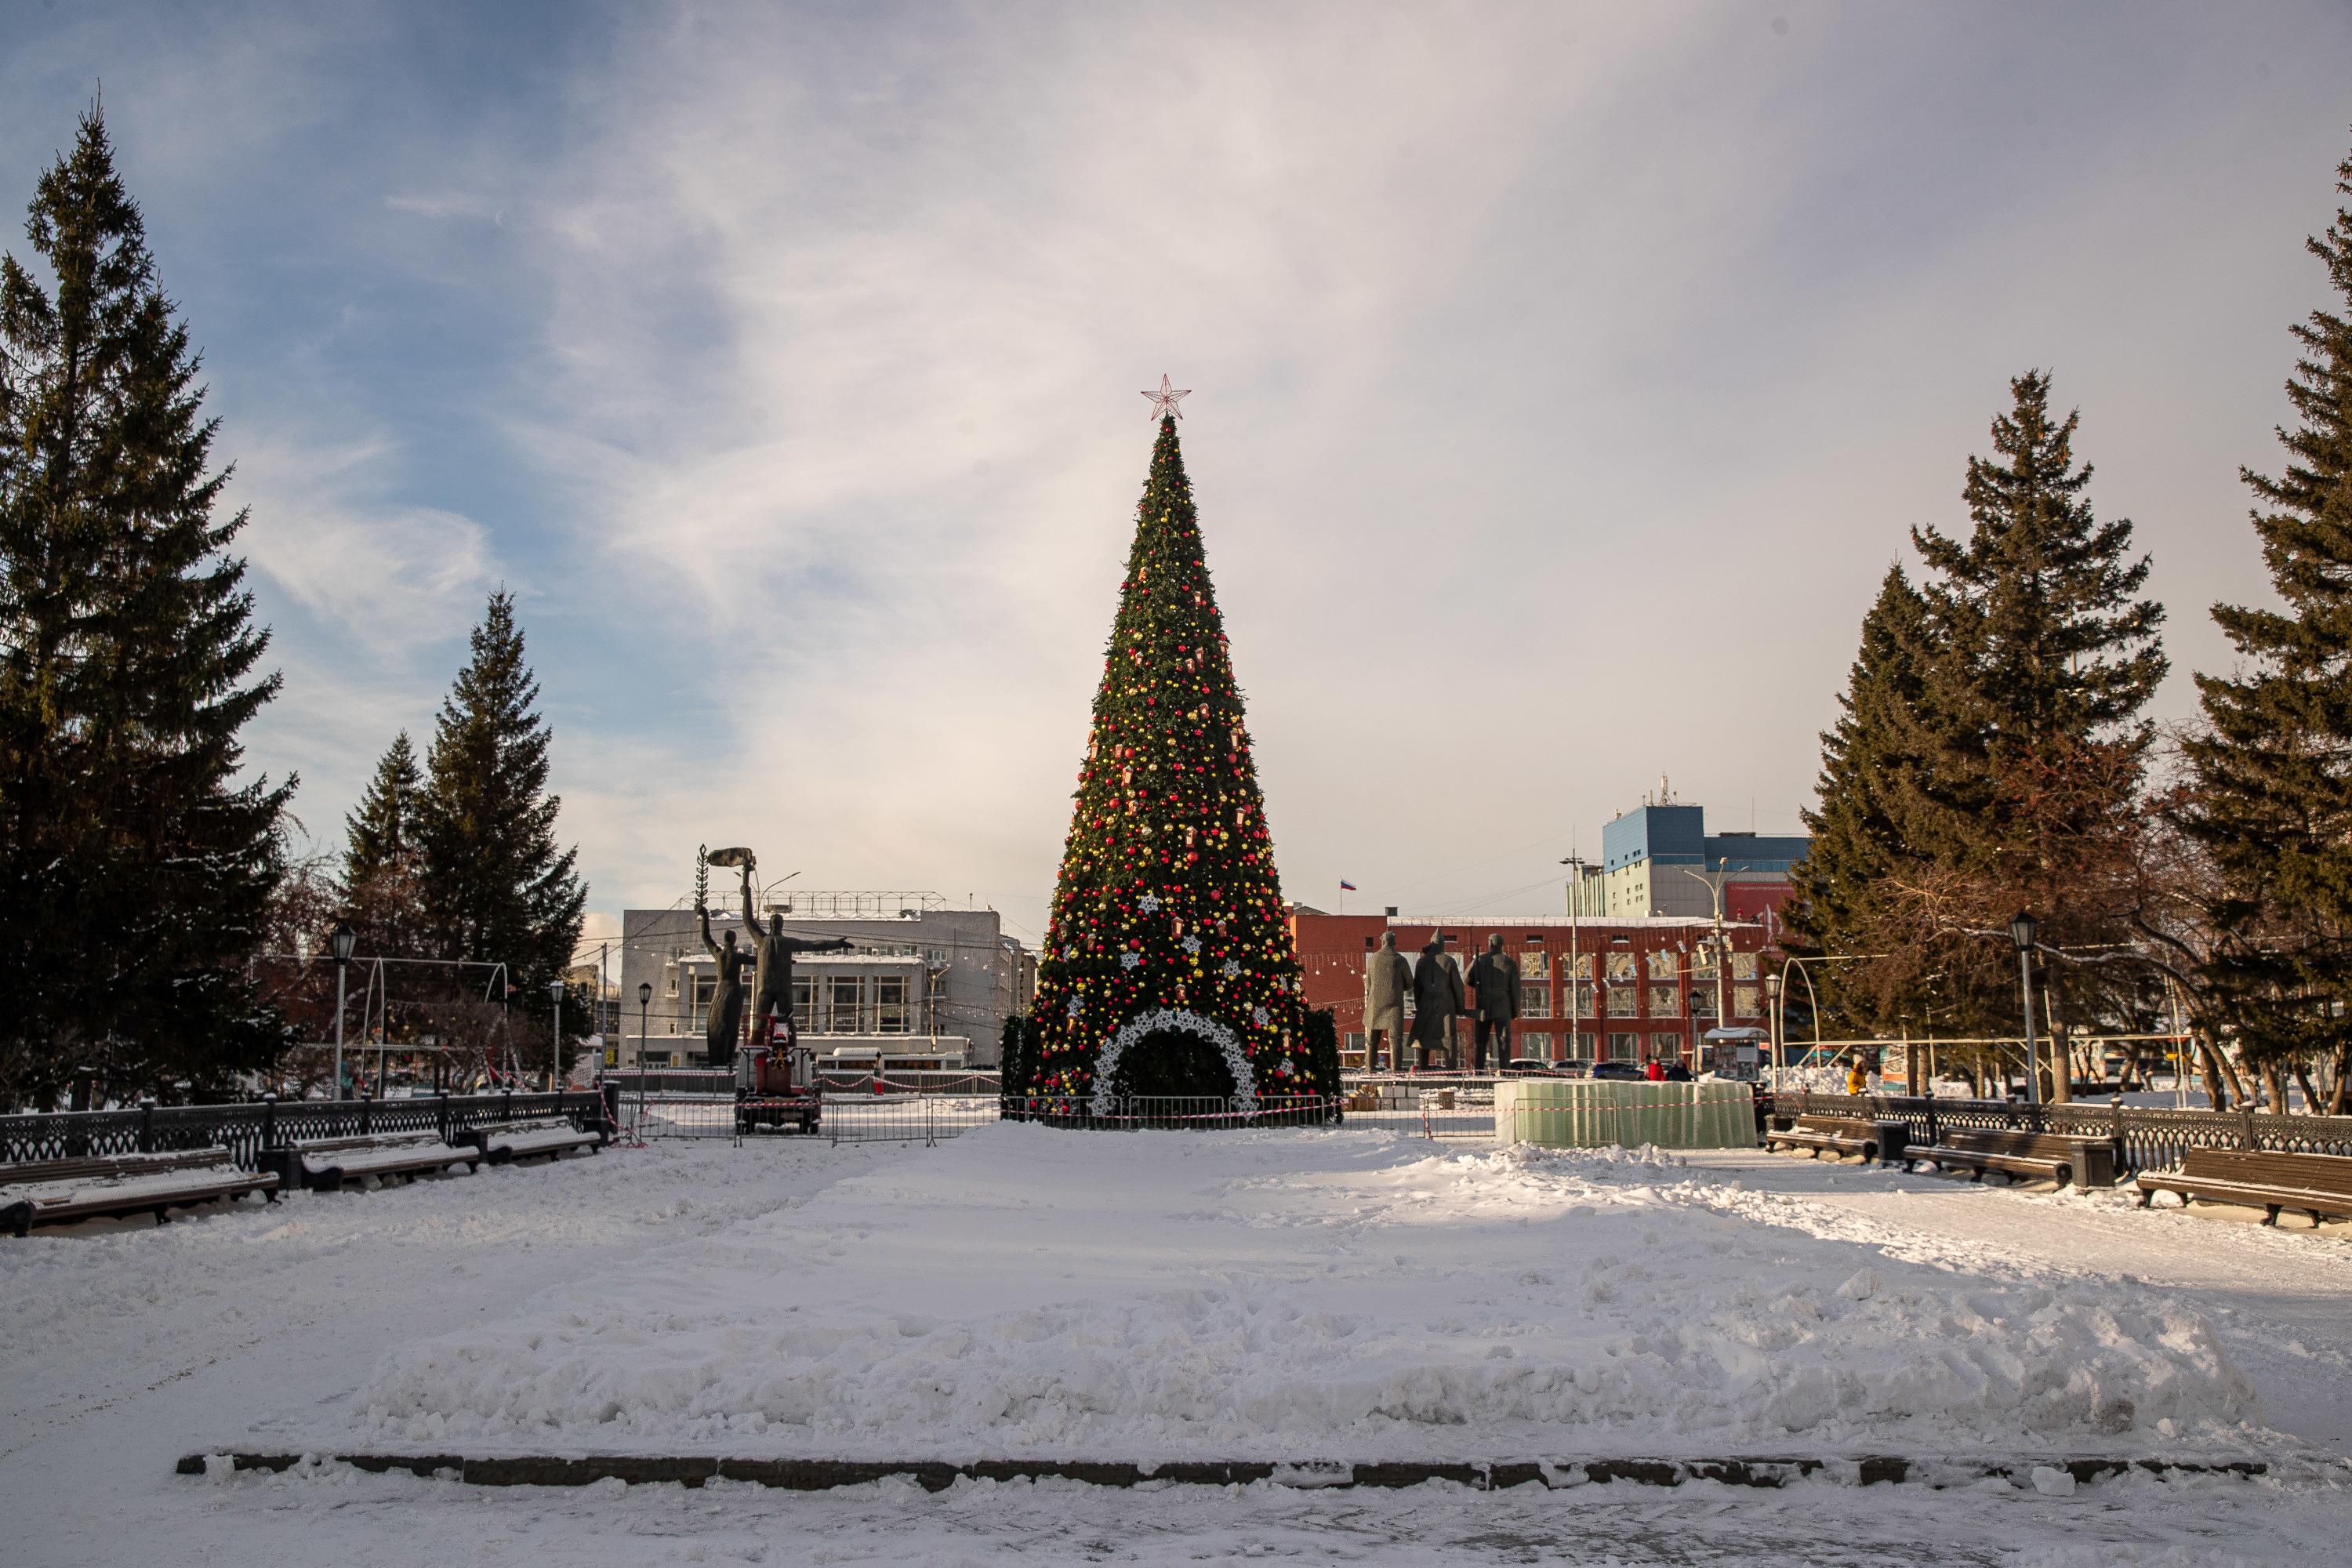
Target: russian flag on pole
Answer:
pixel 1346 886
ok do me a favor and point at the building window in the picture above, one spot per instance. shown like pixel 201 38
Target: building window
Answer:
pixel 805 1004
pixel 1744 1000
pixel 1539 1045
pixel 1535 963
pixel 669 980
pixel 1743 966
pixel 1666 1002
pixel 1702 1001
pixel 1667 1048
pixel 841 1013
pixel 1535 1001
pixel 1588 1048
pixel 698 1015
pixel 1621 966
pixel 889 1003
pixel 1583 965
pixel 1355 1043
pixel 1662 965
pixel 1622 1002
pixel 1702 963
pixel 1624 1047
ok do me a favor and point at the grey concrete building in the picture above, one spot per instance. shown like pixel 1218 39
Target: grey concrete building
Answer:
pixel 920 983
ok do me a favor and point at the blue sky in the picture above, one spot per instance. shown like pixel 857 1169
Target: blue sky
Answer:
pixel 1566 377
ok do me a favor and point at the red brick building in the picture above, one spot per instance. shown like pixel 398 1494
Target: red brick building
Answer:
pixel 1627 988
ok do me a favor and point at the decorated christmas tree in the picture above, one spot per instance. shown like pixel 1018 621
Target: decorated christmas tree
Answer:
pixel 1167 967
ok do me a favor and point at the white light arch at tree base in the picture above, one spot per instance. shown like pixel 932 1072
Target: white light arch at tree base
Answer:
pixel 1173 1020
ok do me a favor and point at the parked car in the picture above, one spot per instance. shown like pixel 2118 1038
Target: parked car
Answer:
pixel 1527 1065
pixel 1620 1072
pixel 1574 1067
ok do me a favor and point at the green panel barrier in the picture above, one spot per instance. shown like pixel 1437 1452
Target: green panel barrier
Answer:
pixel 1588 1113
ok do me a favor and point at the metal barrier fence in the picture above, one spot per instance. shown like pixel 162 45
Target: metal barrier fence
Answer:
pixel 247 1129
pixel 905 1118
pixel 864 1117
pixel 2146 1138
pixel 1137 1113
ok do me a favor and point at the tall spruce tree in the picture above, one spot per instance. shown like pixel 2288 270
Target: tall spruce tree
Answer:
pixel 383 880
pixel 2033 741
pixel 382 833
pixel 1169 968
pixel 1870 763
pixel 2272 767
pixel 496 889
pixel 138 865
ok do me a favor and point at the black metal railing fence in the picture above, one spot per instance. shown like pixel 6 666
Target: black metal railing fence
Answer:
pixel 248 1127
pixel 2146 1138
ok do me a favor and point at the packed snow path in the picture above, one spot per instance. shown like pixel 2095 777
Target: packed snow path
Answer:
pixel 334 1320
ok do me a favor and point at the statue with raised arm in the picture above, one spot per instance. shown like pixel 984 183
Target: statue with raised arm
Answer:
pixel 771 989
pixel 726 999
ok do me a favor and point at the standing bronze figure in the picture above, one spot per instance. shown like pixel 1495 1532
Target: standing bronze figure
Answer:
pixel 1436 1001
pixel 1388 978
pixel 725 1023
pixel 1495 991
pixel 771 989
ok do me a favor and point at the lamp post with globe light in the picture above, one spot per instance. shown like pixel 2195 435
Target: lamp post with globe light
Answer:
pixel 340 944
pixel 645 1000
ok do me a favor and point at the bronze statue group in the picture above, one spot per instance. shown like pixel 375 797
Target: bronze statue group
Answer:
pixel 1440 994
pixel 769 954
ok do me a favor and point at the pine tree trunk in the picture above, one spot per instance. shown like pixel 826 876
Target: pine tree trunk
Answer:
pixel 2343 1072
pixel 2310 1096
pixel 2273 1088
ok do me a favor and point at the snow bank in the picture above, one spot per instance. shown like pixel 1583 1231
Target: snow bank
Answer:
pixel 1345 1294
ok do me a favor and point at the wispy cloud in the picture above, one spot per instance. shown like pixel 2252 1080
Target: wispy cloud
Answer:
pixel 386 578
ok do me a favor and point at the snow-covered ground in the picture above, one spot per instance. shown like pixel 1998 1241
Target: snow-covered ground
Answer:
pixel 1293 1294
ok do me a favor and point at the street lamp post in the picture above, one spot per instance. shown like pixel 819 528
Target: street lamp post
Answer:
pixel 340 944
pixel 1722 950
pixel 1772 1012
pixel 555 1071
pixel 2021 932
pixel 645 1000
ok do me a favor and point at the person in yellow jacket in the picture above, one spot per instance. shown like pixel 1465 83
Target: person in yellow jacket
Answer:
pixel 1857 1080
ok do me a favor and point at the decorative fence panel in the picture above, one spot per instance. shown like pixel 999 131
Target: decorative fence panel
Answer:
pixel 248 1127
pixel 2146 1138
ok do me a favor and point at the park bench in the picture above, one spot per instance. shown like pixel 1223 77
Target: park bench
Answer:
pixel 324 1165
pixel 1841 1135
pixel 2021 1156
pixel 501 1143
pixel 59 1192
pixel 2316 1183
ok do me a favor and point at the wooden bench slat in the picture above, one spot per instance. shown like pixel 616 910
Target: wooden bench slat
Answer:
pixel 2258 1178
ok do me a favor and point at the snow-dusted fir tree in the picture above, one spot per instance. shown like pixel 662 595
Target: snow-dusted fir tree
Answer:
pixel 1169 968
